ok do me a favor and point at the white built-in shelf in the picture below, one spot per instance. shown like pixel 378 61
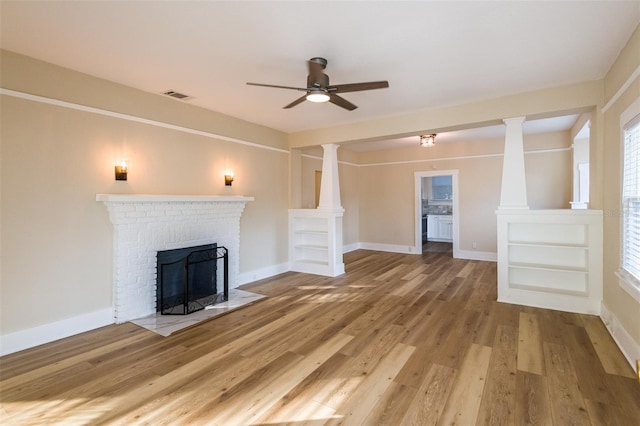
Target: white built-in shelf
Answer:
pixel 315 236
pixel 317 262
pixel 311 232
pixel 549 289
pixel 551 259
pixel 548 267
pixel 545 244
pixel 311 246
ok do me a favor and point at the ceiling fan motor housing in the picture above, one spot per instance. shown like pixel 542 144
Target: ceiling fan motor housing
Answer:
pixel 321 80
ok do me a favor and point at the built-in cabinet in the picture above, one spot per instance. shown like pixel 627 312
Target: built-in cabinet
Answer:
pixel 551 259
pixel 315 241
pixel 440 228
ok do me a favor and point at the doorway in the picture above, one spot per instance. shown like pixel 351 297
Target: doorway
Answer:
pixel 446 201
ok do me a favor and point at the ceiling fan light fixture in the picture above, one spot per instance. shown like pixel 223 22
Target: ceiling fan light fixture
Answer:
pixel 318 96
pixel 428 140
pixel 318 89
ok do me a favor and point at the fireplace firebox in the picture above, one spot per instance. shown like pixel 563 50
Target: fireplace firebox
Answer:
pixel 187 279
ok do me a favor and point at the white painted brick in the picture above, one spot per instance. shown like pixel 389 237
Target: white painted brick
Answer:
pixel 141 229
pixel 135 214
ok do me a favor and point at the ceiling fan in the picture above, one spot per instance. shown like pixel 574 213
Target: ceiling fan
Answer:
pixel 319 90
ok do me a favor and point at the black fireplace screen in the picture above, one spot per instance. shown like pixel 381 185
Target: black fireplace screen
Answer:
pixel 187 279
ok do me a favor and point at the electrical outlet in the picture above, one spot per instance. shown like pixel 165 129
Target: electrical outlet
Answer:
pixel 474 245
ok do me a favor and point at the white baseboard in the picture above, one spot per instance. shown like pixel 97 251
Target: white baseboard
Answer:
pixel 350 247
pixel 629 347
pixel 24 339
pixel 488 256
pixel 393 248
pixel 260 274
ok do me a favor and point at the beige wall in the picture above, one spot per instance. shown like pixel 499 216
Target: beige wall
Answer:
pixel 617 300
pixel 57 240
pixel 387 194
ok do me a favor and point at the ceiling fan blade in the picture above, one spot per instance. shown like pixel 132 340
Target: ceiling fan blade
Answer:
pixel 277 87
pixel 296 102
pixel 357 87
pixel 341 102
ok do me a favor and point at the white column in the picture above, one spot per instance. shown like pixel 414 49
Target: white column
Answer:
pixel 295 179
pixel 514 185
pixel 330 183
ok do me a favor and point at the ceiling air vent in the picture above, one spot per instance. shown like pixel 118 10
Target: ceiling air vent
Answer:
pixel 176 95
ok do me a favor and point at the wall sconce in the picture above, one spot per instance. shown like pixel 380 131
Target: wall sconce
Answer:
pixel 121 170
pixel 428 140
pixel 228 177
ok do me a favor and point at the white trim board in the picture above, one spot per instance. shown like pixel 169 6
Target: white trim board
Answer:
pixel 35 336
pixel 487 256
pixel 462 157
pixel 392 248
pixel 432 160
pixel 635 74
pixel 128 117
pixel 262 273
pixel 629 347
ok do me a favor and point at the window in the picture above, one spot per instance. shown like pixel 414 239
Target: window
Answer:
pixel 441 188
pixel 630 197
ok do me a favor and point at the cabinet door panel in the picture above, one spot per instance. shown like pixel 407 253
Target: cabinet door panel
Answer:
pixel 445 225
pixel 432 226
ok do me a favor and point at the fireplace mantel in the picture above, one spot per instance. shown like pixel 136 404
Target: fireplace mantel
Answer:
pixel 144 198
pixel 145 224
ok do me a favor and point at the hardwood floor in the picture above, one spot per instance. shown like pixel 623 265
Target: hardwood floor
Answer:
pixel 397 340
pixel 435 246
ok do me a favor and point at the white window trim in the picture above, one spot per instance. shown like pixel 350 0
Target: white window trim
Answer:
pixel 628 282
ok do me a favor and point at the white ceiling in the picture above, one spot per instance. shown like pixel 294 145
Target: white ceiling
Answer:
pixel 432 53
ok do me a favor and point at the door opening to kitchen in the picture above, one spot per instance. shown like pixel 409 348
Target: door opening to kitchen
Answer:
pixel 436 210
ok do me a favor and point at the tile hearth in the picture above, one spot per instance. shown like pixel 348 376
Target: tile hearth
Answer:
pixel 165 325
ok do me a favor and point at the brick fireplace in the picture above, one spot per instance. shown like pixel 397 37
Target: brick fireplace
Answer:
pixel 146 224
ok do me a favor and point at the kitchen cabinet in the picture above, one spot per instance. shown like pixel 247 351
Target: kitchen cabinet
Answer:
pixel 445 228
pixel 440 228
pixel 432 226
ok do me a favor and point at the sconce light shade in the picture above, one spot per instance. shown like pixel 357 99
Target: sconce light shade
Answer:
pixel 228 178
pixel 428 140
pixel 121 169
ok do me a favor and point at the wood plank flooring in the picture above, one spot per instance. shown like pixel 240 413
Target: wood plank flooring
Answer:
pixel 397 340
